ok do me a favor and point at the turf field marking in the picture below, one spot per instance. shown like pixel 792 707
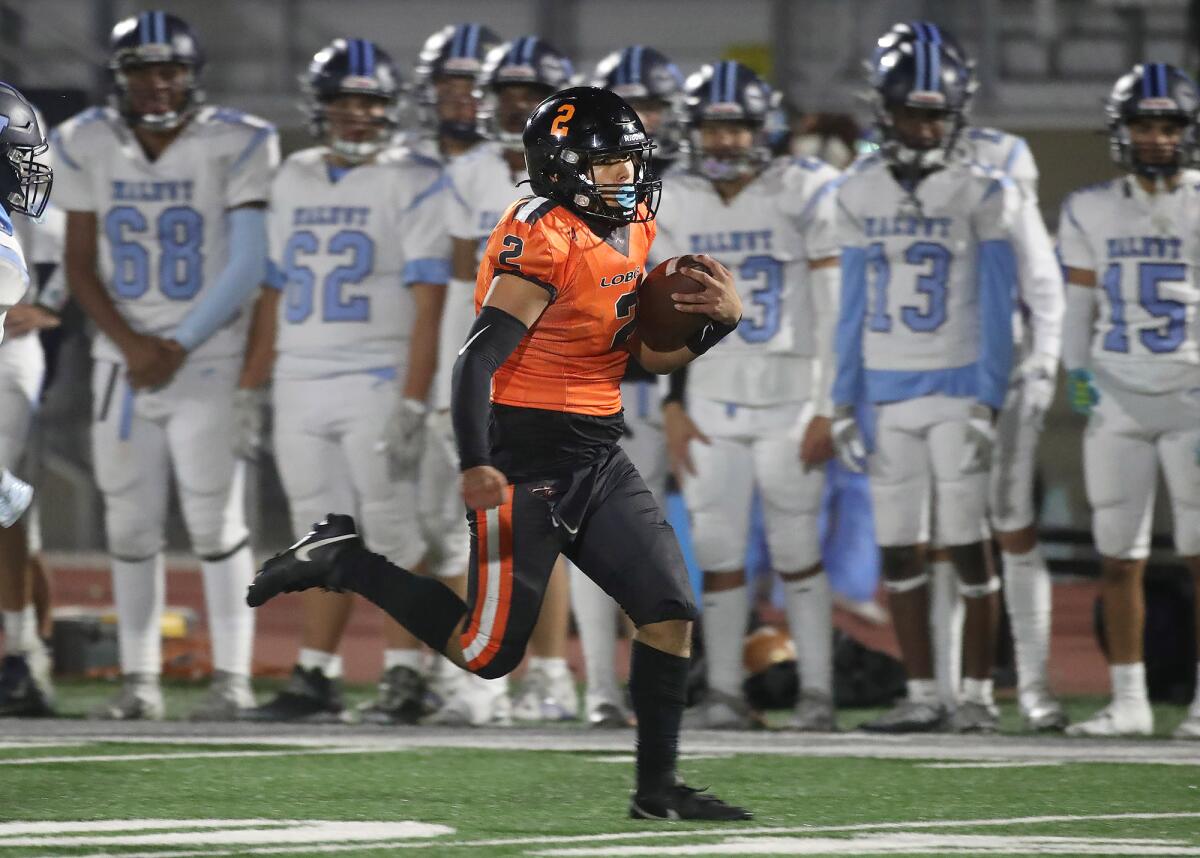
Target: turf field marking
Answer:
pixel 184 755
pixel 1147 847
pixel 994 764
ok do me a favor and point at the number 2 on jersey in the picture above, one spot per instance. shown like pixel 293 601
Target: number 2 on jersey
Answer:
pixel 301 280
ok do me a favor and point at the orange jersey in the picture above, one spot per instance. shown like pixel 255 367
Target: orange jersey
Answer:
pixel 573 358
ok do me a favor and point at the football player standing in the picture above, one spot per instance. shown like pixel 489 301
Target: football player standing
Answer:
pixel 1038 329
pixel 165 243
pixel 542 366
pixel 25 182
pixel 1131 348
pixel 925 335
pixel 347 325
pixel 758 410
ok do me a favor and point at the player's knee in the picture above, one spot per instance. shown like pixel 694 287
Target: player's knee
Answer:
pixel 394 535
pixel 717 544
pixel 1119 533
pixel 901 562
pixel 669 636
pixel 971 562
pixel 219 542
pixel 131 539
pixel 502 663
pixel 1187 530
pixel 795 547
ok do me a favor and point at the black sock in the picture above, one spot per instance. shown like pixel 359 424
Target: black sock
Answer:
pixel 425 606
pixel 658 686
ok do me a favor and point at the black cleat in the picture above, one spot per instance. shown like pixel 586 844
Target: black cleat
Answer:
pixel 21 695
pixel 310 697
pixel 311 562
pixel 401 698
pixel 683 802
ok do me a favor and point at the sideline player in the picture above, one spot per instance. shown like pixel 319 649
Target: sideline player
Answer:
pixel 25 182
pixel 925 333
pixel 557 296
pixel 359 258
pixel 652 85
pixel 1131 348
pixel 514 78
pixel 759 409
pixel 1038 325
pixel 166 242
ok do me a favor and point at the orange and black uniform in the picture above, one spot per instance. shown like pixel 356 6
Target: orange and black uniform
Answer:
pixel 555 423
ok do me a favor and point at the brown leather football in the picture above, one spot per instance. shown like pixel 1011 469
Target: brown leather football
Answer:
pixel 659 324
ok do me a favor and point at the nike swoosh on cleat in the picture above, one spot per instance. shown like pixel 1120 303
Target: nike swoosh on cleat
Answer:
pixel 304 551
pixel 467 344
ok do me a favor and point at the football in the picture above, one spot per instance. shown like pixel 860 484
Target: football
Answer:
pixel 660 325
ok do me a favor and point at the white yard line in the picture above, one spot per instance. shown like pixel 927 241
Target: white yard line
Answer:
pixel 1000 764
pixel 184 755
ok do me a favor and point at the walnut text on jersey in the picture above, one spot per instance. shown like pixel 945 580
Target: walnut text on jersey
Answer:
pixel 1154 246
pixel 909 225
pixel 152 192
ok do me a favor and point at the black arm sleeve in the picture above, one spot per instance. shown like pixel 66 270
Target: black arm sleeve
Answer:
pixel 677 387
pixel 493 337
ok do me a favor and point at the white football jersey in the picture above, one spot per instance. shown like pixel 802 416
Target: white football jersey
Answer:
pixel 482 188
pixel 913 308
pixel 1145 251
pixel 14 274
pixel 161 228
pixel 1041 286
pixel 344 250
pixel 766 236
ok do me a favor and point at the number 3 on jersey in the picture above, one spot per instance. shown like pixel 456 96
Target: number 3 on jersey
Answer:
pixel 931 283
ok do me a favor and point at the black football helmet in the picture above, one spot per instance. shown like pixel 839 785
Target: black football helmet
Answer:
pixel 145 39
pixel 568 133
pixel 352 67
pixel 456 50
pixel 727 92
pixel 643 75
pixel 923 75
pixel 1153 90
pixel 526 61
pixel 24 181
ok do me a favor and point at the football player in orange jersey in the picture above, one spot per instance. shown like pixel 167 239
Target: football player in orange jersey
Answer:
pixel 536 408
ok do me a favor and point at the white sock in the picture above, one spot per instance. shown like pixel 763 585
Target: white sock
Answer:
pixel 1129 684
pixel 139 588
pixel 413 659
pixel 1194 711
pixel 596 619
pixel 230 619
pixel 809 603
pixel 329 663
pixel 1027 596
pixel 977 691
pixel 724 628
pixel 946 613
pixel 20 631
pixel 923 691
pixel 552 666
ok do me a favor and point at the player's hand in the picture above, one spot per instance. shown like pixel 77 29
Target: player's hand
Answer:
pixel 1037 388
pixel 680 430
pixel 719 300
pixel 151 361
pixel 483 487
pixel 816 447
pixel 24 319
pixel 249 419
pixel 1081 391
pixel 404 438
pixel 980 440
pixel 847 440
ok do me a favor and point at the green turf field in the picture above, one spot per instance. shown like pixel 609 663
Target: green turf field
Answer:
pixel 72 788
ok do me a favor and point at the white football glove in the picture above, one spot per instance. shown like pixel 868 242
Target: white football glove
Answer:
pixel 981 438
pixel 249 419
pixel 404 438
pixel 1037 387
pixel 847 440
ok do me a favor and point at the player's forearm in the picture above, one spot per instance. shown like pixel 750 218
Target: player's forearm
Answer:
pixel 423 342
pixel 659 363
pixel 260 345
pixel 1077 326
pixel 1041 282
pixel 493 337
pixel 90 293
pixel 824 282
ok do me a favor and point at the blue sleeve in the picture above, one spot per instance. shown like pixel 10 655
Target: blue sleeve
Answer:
pixel 997 272
pixel 276 279
pixel 245 270
pixel 847 344
pixel 432 270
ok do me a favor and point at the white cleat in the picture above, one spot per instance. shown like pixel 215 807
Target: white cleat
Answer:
pixel 547 698
pixel 814 713
pixel 721 711
pixel 228 698
pixel 604 712
pixel 15 497
pixel 1189 727
pixel 140 699
pixel 1041 713
pixel 1113 720
pixel 476 703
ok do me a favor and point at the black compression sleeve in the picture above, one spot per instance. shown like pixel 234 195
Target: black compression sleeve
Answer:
pixel 493 337
pixel 677 386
